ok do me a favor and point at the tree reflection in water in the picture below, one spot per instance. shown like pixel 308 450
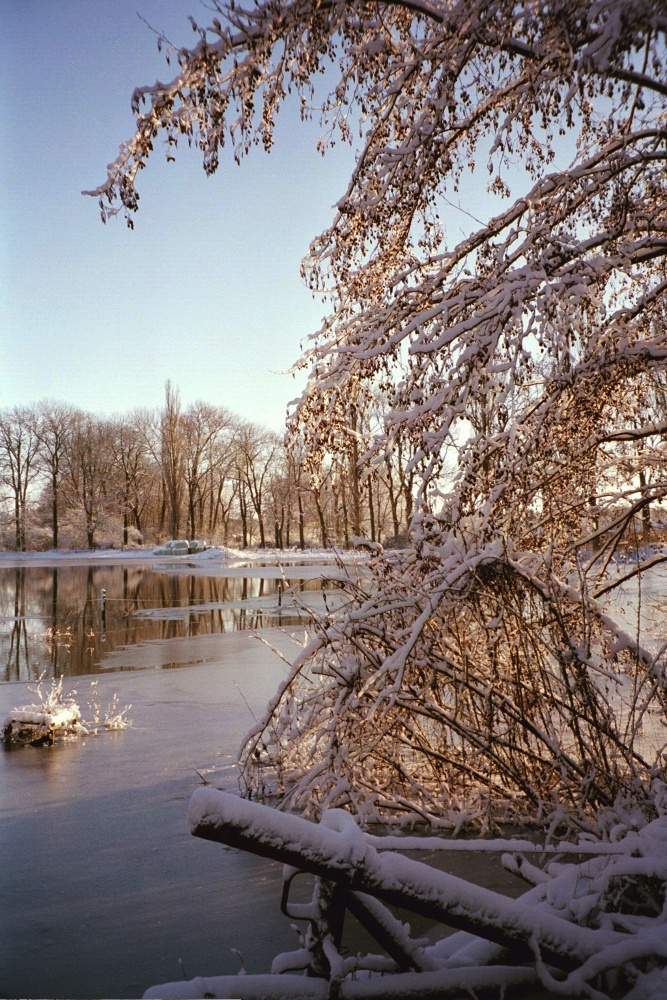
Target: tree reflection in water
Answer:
pixel 51 619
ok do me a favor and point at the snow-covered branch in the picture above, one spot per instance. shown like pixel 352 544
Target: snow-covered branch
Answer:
pixel 521 367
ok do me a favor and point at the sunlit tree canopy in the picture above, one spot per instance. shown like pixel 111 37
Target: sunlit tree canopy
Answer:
pixel 517 342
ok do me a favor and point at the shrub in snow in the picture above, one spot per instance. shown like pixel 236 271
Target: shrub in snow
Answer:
pixel 56 715
pixel 53 716
pixel 134 537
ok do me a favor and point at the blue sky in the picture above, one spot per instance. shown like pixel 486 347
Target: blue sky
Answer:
pixel 205 290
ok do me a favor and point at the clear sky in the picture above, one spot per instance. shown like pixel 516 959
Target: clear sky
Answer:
pixel 205 290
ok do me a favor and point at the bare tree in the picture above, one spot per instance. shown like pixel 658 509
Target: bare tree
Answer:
pixel 223 482
pixel 18 466
pixel 54 423
pixel 134 468
pixel 296 466
pixel 90 468
pixel 172 459
pixel 484 672
pixel 256 450
pixel 203 425
pixel 280 496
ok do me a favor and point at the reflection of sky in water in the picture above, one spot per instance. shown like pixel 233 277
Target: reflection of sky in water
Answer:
pixel 53 621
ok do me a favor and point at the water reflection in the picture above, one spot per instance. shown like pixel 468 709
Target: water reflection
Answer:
pixel 64 620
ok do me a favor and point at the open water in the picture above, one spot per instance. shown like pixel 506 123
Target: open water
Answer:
pixel 69 620
pixel 103 891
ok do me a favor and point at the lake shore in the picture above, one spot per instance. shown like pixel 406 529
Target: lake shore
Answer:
pixel 215 557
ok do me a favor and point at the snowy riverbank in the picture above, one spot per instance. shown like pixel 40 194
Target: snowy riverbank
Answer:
pixel 216 556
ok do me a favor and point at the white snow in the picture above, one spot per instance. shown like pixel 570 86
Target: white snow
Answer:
pixel 36 717
pixel 544 918
pixel 269 563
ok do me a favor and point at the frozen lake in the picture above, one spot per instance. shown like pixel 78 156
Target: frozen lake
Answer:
pixel 104 892
pixel 70 620
pixel 103 888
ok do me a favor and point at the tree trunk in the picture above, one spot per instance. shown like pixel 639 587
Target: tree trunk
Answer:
pixel 320 515
pixel 354 482
pixel 346 523
pixel 191 514
pixel 54 508
pixel 393 502
pixel 17 523
pixel 370 509
pixel 302 537
pixel 243 511
pixel 646 512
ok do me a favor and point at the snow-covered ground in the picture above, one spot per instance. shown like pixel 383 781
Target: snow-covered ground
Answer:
pixel 214 557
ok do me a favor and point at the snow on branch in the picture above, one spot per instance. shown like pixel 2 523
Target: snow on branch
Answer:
pixel 518 367
pixel 583 929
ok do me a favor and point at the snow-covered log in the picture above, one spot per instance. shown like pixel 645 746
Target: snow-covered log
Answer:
pixel 40 726
pixel 406 986
pixel 347 858
pixel 595 928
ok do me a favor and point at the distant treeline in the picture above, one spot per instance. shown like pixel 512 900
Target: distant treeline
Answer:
pixel 70 479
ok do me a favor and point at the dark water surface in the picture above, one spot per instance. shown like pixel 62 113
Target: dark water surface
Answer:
pixel 102 887
pixel 55 621
pixel 103 891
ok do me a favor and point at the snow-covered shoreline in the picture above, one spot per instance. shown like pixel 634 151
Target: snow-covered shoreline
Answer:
pixel 215 556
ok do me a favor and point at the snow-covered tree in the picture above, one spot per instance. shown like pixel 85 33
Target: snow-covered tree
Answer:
pixel 483 671
pixel 19 445
pixel 54 424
